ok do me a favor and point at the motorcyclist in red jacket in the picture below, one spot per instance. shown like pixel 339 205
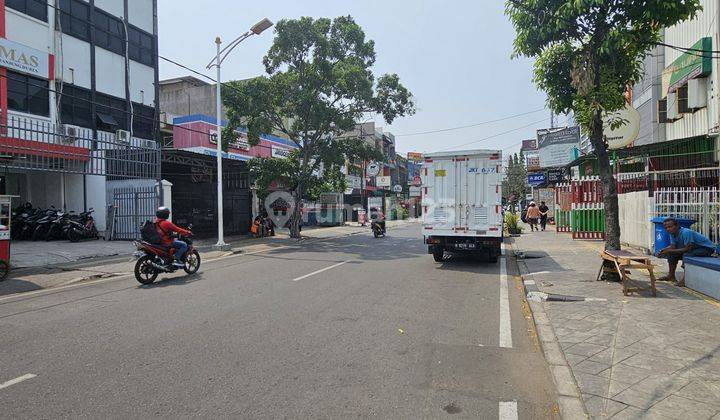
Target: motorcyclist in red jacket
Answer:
pixel 165 228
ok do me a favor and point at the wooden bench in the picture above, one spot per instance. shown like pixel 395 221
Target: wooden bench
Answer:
pixel 623 262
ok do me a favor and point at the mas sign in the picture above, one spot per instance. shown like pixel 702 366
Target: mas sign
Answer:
pixel 24 59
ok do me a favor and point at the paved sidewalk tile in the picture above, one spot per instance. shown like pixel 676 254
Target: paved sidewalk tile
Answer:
pixel 633 356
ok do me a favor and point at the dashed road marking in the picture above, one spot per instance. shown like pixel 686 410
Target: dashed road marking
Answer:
pixel 320 271
pixel 505 325
pixel 17 380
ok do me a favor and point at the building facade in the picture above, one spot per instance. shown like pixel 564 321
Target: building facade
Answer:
pixel 78 99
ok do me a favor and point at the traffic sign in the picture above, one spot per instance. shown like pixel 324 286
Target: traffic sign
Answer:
pixel 373 169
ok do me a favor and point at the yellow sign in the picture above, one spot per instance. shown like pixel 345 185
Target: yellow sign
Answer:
pixel 440 172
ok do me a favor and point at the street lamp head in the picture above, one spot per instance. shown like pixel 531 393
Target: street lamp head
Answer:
pixel 261 26
pixel 217 40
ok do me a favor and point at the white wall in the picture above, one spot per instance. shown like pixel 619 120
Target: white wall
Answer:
pixel 75 55
pixel 140 14
pixel 635 213
pixel 142 78
pixel 95 185
pixel 685 35
pixel 27 30
pixel 114 7
pixel 73 192
pixel 109 73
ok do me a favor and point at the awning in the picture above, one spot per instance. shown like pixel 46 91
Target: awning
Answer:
pixel 107 119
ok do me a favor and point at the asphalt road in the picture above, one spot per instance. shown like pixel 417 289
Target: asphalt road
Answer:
pixel 351 327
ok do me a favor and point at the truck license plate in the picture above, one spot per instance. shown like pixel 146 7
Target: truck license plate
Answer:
pixel 465 246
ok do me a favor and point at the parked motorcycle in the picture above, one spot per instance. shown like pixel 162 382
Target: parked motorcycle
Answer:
pixel 377 229
pixel 84 228
pixel 42 225
pixel 155 259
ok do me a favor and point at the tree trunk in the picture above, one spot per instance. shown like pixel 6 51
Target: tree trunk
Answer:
pixel 610 199
pixel 295 218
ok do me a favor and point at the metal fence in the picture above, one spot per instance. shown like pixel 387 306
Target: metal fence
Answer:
pixel 132 206
pixel 38 144
pixel 681 178
pixel 699 204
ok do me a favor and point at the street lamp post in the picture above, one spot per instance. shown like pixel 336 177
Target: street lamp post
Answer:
pixel 220 56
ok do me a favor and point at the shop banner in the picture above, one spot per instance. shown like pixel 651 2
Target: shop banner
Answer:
pixel 24 59
pixel 557 146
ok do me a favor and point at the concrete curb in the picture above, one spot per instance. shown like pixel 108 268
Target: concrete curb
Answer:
pixel 569 398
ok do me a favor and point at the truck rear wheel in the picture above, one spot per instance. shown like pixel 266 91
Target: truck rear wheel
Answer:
pixel 438 253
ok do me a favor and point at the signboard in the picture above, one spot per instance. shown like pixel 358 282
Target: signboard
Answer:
pixel 373 169
pixel 413 173
pixel 279 152
pixel 535 179
pixel 397 188
pixel 383 181
pixel 415 191
pixel 621 136
pixel 24 59
pixel 533 163
pixel 697 62
pixel 352 182
pixel 440 172
pixel 555 176
pixel 240 142
pixel 375 202
pixel 529 145
pixel 557 146
pixel 415 157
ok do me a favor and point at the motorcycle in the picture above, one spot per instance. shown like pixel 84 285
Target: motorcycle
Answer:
pixel 377 229
pixel 82 228
pixel 155 259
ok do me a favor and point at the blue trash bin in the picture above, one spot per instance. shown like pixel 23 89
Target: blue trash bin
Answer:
pixel 662 239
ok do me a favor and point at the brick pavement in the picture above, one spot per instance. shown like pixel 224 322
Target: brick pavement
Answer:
pixel 634 356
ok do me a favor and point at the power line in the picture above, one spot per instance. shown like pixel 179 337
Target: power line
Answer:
pixel 470 125
pixel 497 135
pixel 189 69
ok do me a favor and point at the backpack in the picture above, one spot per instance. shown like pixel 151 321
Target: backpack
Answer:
pixel 149 233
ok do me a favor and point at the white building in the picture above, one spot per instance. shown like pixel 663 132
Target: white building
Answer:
pixel 78 100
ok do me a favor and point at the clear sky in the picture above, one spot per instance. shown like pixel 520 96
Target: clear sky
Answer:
pixel 454 56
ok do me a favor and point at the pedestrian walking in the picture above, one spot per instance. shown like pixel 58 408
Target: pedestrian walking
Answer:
pixel 533 214
pixel 543 215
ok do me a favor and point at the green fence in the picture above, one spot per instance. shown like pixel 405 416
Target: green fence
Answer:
pixel 588 221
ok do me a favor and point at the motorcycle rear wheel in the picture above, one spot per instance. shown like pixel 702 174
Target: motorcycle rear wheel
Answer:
pixel 74 235
pixel 192 262
pixel 145 273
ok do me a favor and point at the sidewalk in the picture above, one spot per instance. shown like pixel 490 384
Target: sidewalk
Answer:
pixel 631 357
pixel 99 259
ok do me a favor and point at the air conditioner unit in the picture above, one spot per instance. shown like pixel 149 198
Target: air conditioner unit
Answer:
pixel 148 144
pixel 69 133
pixel 697 93
pixel 122 136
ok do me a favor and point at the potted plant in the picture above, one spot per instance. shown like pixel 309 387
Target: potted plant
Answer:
pixel 511 222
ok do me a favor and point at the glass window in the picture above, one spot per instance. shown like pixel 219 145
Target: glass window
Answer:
pixel 28 94
pixel 74 18
pixel 75 106
pixel 109 32
pixel 143 121
pixel 141 48
pixel 34 8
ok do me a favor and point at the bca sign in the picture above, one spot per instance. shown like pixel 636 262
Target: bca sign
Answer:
pixel 24 59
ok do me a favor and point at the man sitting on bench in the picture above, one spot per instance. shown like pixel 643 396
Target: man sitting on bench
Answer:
pixel 684 242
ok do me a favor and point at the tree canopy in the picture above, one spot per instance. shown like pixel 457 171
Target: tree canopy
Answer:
pixel 588 52
pixel 318 84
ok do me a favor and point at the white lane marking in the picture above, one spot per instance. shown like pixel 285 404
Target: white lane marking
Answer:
pixel 17 380
pixel 505 326
pixel 508 410
pixel 320 271
pixel 537 272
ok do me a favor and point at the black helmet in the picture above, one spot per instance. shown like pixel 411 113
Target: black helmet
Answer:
pixel 162 213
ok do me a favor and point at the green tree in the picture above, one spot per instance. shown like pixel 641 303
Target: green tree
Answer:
pixel 587 53
pixel 515 185
pixel 319 83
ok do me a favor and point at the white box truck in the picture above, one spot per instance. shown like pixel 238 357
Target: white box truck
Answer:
pixel 462 203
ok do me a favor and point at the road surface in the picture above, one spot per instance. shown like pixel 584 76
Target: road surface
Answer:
pixel 351 327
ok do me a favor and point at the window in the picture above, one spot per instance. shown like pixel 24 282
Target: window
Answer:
pixel 142 46
pixel 28 94
pixel 74 18
pixel 34 8
pixel 143 121
pixel 111 113
pixel 109 32
pixel 75 106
